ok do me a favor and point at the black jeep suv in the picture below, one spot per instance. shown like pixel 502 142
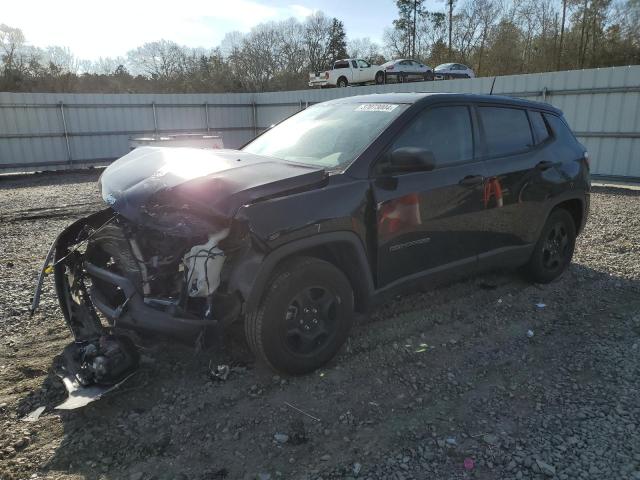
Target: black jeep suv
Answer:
pixel 316 217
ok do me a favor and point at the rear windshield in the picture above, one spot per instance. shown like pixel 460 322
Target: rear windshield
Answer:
pixel 326 135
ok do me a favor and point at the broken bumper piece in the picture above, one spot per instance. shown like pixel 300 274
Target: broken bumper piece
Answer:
pixel 138 313
pixel 89 370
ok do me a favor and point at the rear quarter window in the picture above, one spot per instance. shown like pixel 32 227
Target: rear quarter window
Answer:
pixel 540 129
pixel 506 130
pixel 560 129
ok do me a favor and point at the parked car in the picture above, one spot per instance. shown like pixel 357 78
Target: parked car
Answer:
pixel 350 71
pixel 337 207
pixel 448 71
pixel 403 70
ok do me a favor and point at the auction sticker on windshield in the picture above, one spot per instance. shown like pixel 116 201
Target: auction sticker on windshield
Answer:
pixel 376 107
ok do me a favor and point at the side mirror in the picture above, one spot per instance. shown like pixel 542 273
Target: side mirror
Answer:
pixel 410 159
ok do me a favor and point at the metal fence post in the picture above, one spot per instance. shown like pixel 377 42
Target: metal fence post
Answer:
pixel 66 132
pixel 206 116
pixel 155 118
pixel 544 94
pixel 254 118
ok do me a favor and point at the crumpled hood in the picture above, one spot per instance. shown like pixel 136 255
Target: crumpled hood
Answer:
pixel 215 181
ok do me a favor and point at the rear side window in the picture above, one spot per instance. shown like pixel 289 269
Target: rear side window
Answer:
pixel 445 131
pixel 338 65
pixel 560 129
pixel 506 130
pixel 539 126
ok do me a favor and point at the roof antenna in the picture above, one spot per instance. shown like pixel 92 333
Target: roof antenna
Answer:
pixel 492 84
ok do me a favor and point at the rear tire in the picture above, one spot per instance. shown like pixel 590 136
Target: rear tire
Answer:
pixel 304 317
pixel 554 250
pixel 380 78
pixel 343 82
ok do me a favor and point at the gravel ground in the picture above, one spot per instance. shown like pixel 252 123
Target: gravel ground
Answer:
pixel 445 384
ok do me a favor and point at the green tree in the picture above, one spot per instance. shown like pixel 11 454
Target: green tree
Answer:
pixel 337 48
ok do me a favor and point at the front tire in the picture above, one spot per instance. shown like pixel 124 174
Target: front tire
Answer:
pixel 554 250
pixel 379 78
pixel 304 317
pixel 342 82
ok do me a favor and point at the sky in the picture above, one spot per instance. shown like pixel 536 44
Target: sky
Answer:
pixel 111 28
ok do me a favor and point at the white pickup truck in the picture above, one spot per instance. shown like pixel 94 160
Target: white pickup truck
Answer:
pixel 347 72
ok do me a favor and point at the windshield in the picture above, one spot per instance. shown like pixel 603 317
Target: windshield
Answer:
pixel 326 135
pixel 444 66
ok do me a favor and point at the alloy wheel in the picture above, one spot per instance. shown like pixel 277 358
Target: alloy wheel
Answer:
pixel 311 320
pixel 556 247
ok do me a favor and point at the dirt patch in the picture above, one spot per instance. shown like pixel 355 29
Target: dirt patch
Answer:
pixel 444 384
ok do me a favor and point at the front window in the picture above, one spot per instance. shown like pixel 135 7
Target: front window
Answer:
pixel 450 145
pixel 326 135
pixel 363 64
pixel 444 66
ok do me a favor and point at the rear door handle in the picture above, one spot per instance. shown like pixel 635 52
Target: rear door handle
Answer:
pixel 544 165
pixel 471 180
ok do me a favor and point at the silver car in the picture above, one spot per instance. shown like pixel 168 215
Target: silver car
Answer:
pixel 405 69
pixel 448 71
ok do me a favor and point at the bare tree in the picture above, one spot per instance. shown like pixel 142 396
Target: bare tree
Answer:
pixel 564 15
pixel 366 49
pixel 317 36
pixel 488 12
pixel 159 60
pixel 450 4
pixel 11 39
pixel 395 44
pixel 106 65
pixel 467 27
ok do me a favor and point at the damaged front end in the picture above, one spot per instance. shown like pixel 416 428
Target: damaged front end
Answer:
pixel 158 260
pixel 111 274
pixel 138 278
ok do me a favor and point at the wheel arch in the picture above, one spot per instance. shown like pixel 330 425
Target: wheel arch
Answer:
pixel 344 250
pixel 575 207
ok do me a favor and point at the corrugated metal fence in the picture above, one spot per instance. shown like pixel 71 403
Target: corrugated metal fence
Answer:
pixel 47 131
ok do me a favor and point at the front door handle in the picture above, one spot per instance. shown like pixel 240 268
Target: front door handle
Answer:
pixel 471 180
pixel 544 165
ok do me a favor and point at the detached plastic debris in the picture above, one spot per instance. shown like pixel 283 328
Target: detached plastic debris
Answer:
pixel 540 306
pixel 219 372
pixel 35 415
pixel 530 333
pixel 80 395
pixel 89 370
pixel 469 464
